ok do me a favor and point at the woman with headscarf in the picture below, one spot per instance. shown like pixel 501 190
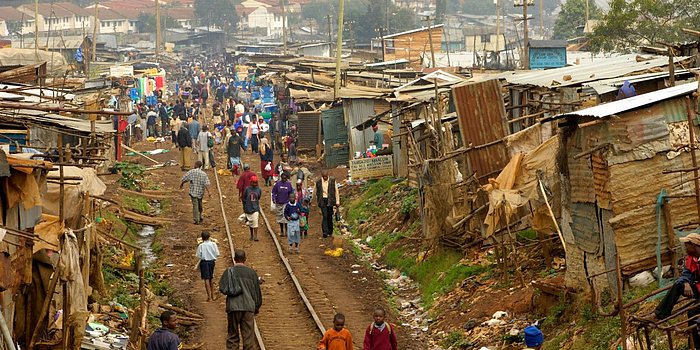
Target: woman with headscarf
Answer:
pixel 266 158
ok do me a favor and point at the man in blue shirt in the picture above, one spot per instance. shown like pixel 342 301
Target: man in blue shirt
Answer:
pixel 163 338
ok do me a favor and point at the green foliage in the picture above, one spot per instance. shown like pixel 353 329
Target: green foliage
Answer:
pixel 631 23
pixel 572 18
pixel 132 175
pixel 364 206
pixel 217 13
pixel 147 22
pixel 381 240
pixel 527 236
pixel 455 340
pixel 136 203
pixel 437 275
pixel 409 204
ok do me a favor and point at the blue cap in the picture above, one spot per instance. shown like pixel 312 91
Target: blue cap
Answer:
pixel 533 336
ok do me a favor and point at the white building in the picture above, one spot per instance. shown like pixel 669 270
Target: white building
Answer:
pixel 257 15
pixel 60 16
pixel 10 18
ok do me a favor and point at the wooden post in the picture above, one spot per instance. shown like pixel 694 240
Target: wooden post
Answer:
pixel 66 316
pixel 671 236
pixel 620 303
pixel 44 309
pixel 691 130
pixel 671 68
pixel 339 48
pixel 135 335
pixel 61 178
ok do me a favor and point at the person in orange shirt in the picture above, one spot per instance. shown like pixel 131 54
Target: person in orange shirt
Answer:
pixel 337 338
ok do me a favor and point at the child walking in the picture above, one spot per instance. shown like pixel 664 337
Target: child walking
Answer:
pixel 304 221
pixel 380 334
pixel 336 338
pixel 292 213
pixel 207 252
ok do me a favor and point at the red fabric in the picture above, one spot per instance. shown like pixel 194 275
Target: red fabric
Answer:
pixel 244 182
pixel 265 173
pixel 376 340
pixel 692 264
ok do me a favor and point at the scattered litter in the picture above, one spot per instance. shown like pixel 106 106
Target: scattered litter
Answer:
pixel 153 152
pixel 356 271
pixel 355 266
pixel 642 279
pixel 224 172
pixel 493 322
pixel 499 315
pixel 169 265
pixel 336 253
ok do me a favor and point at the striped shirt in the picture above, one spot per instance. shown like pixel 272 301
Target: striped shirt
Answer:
pixel 198 180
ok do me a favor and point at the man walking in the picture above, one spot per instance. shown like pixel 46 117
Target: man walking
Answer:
pixel 241 286
pixel 327 197
pixel 163 338
pixel 194 129
pixel 233 151
pixel 184 142
pixel 203 146
pixel 199 182
pixel 251 207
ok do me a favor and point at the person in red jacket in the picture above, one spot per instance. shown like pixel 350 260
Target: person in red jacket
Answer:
pixel 244 181
pixel 380 335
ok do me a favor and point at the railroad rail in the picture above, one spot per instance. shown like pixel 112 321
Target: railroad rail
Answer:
pixel 312 312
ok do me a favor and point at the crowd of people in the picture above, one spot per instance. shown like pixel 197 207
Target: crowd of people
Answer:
pixel 235 121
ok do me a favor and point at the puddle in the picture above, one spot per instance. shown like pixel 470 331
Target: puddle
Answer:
pixel 144 241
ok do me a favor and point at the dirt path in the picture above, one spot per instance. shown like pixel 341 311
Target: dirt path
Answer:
pixel 332 284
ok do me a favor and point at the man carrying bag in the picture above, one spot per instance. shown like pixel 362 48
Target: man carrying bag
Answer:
pixel 241 286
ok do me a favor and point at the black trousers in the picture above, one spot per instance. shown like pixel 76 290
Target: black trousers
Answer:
pixel 665 307
pixel 241 326
pixel 327 213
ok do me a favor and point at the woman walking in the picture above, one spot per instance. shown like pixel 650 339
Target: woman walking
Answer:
pixel 266 158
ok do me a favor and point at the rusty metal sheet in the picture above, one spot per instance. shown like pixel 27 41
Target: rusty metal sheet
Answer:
pixel 636 233
pixel 601 179
pixel 637 184
pixel 637 128
pixel 580 178
pixel 584 226
pixel 482 121
pixel 309 123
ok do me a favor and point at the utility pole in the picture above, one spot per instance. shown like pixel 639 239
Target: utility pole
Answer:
pixel 525 59
pixel 430 39
pixel 158 31
pixel 284 26
pixel 339 48
pixel 498 29
pixel 542 18
pixel 94 32
pixel 330 36
pixel 36 27
pixel 588 14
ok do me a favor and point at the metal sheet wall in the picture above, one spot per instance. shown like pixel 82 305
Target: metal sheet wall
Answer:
pixel 482 120
pixel 308 129
pixel 358 111
pixel 335 137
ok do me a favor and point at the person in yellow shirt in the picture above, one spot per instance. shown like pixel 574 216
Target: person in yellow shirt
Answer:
pixel 338 337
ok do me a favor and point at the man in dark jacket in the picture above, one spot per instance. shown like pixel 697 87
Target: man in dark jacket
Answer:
pixel 233 151
pixel 163 338
pixel 184 142
pixel 241 308
pixel 327 197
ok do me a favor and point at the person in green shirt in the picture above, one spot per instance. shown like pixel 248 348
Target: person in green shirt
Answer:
pixel 378 136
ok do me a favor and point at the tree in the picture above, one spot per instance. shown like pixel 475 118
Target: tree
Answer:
pixel 216 13
pixel 572 18
pixel 147 23
pixel 632 23
pixel 440 9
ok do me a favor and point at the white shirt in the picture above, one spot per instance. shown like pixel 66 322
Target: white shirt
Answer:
pixel 207 250
pixel 239 108
pixel 254 128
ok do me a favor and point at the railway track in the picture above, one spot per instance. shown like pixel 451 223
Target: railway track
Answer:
pixel 288 319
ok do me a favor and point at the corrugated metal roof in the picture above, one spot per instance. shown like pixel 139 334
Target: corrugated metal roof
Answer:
pixel 412 31
pixel 610 85
pixel 628 104
pixel 610 68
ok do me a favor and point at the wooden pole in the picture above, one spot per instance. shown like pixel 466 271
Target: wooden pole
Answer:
pixel 284 25
pixel 432 49
pixel 525 59
pixel 66 316
pixel 671 68
pixel 158 43
pixel 623 316
pixel 44 309
pixel 339 48
pixel 36 27
pixel 61 186
pixel 551 213
pixel 94 33
pixel 691 130
pixel 671 236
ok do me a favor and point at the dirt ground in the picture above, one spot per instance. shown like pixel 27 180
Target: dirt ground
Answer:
pixel 332 284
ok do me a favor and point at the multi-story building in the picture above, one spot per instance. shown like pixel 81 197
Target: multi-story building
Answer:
pixel 11 21
pixel 256 15
pixel 61 16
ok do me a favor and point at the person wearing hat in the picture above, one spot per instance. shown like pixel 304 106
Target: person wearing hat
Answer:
pixel 251 206
pixel 533 338
pixel 686 285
